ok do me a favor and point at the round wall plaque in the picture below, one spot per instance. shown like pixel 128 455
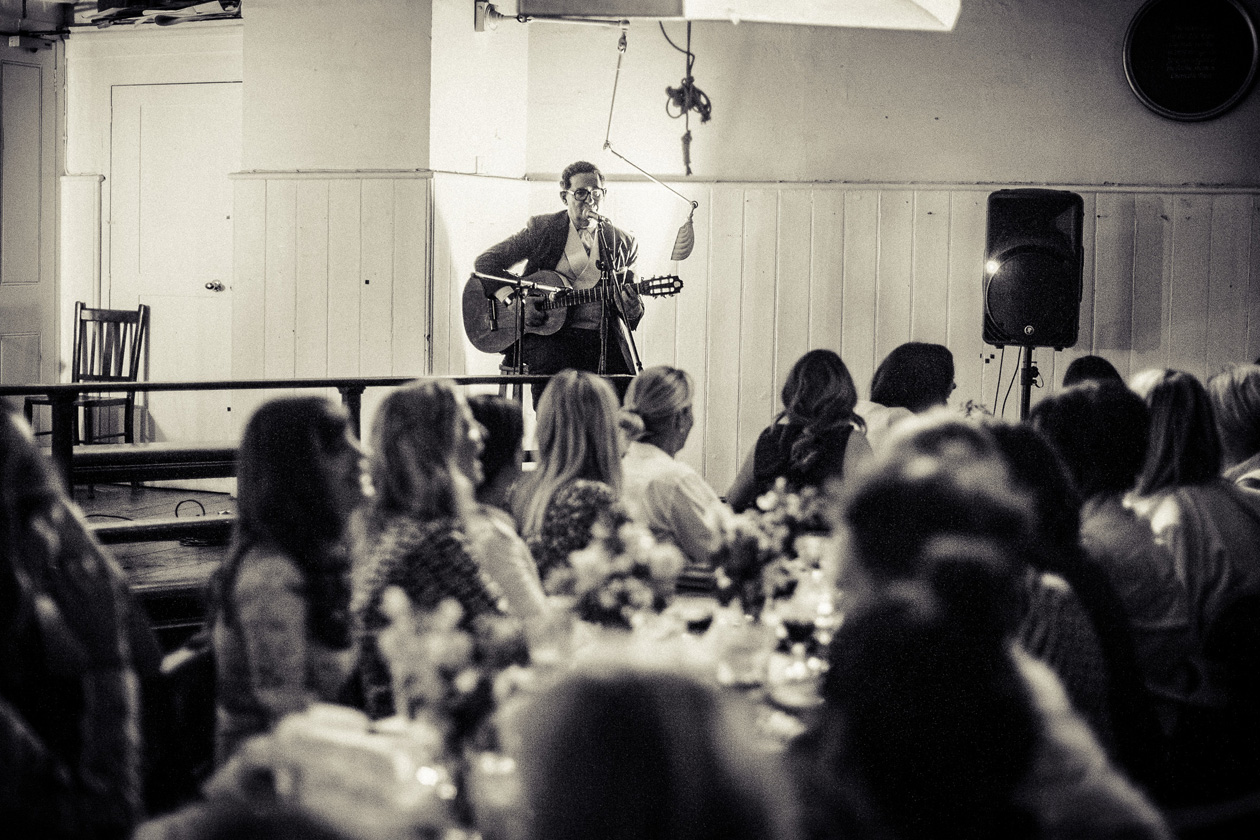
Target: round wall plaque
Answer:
pixel 1191 59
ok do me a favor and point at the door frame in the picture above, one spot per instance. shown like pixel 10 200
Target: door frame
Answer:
pixel 51 63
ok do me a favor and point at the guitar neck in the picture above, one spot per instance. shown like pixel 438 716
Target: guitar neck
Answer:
pixel 576 297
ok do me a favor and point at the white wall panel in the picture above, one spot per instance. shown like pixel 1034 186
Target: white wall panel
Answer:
pixel 332 274
pixel 1170 276
pixel 310 338
pixel 344 283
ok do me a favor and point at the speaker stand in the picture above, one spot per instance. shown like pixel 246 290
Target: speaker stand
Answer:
pixel 1028 375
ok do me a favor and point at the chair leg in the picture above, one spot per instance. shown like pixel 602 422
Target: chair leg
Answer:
pixel 89 426
pixel 129 422
pixel 515 390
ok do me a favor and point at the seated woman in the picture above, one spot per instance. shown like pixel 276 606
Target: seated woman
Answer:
pixel 502 453
pixel 1054 626
pixel 1235 395
pixel 70 754
pixel 661 492
pixel 425 448
pixel 1120 708
pixel 1100 430
pixel 492 534
pixel 932 716
pixel 578 478
pixel 1212 528
pixel 631 754
pixel 914 377
pixel 281 626
pixel 815 440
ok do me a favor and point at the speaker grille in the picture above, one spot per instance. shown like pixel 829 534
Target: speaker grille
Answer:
pixel 1013 316
pixel 1032 272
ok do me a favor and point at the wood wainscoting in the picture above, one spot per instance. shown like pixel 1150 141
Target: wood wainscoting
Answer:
pixel 331 277
pixel 1171 279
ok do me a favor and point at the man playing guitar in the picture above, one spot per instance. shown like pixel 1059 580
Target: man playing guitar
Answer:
pixel 579 244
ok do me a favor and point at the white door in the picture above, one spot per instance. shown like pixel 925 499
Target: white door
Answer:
pixel 28 224
pixel 170 242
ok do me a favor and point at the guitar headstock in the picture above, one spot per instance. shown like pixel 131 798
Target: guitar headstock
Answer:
pixel 663 286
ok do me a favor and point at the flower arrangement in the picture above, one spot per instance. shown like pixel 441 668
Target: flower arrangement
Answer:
pixel 624 571
pixel 758 557
pixel 444 671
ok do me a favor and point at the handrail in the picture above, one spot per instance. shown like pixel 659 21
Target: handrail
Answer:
pixel 62 395
pixel 76 388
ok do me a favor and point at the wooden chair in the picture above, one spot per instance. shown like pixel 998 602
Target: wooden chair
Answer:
pixel 108 347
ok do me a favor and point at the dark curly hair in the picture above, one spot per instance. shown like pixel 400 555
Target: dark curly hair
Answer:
pixel 818 395
pixel 577 168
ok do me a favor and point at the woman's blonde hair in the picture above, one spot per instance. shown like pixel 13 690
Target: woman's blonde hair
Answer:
pixel 577 438
pixel 655 397
pixel 413 444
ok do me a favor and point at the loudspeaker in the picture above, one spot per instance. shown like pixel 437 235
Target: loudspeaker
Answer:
pixel 1032 268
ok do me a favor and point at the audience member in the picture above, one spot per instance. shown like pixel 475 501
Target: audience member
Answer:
pixel 1086 639
pixel 632 754
pixel 1212 528
pixel 1235 395
pixel 502 451
pixel 815 440
pixel 577 482
pixel 913 378
pixel 425 449
pixel 1090 369
pixel 660 491
pixel 70 752
pixel 281 627
pixel 492 534
pixel 988 741
pixel 1100 430
pixel 916 375
pixel 1077 641
pixel 927 721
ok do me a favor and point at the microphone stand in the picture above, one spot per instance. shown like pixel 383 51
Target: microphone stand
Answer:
pixel 493 288
pixel 608 275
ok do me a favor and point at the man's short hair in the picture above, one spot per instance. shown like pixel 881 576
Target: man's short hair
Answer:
pixel 577 168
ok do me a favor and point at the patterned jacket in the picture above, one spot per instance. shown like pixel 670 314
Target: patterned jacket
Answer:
pixel 430 562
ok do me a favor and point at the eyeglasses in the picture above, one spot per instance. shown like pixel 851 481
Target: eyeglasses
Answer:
pixel 582 193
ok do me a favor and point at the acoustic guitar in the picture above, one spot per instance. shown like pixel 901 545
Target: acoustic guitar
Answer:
pixel 493 326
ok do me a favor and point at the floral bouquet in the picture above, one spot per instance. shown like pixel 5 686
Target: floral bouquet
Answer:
pixel 445 671
pixel 758 557
pixel 624 571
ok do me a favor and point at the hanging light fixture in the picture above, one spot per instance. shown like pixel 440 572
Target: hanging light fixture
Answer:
pixel 686 238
